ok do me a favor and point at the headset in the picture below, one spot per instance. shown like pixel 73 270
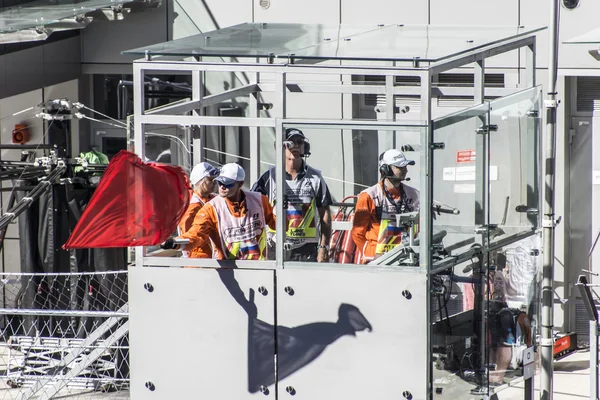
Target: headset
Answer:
pixel 304 138
pixel 384 169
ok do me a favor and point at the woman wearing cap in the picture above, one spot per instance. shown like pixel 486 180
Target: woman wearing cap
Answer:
pixel 374 227
pixel 235 220
pixel 202 180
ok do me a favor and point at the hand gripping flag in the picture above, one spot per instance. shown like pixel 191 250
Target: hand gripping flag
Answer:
pixel 135 204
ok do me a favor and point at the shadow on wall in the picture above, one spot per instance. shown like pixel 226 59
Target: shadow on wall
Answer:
pixel 296 346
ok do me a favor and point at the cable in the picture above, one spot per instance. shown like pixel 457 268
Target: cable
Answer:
pixel 104 115
pixel 17 113
pixel 83 116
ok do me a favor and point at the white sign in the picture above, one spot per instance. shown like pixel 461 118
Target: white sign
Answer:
pixel 465 173
pixel 449 174
pixel 464 188
pixel 596 178
pixel 468 173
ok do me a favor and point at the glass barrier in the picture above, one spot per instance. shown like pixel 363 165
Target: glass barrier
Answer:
pixel 514 164
pixel 483 311
pixel 168 144
pixel 460 302
pixel 516 282
pixel 459 176
pixel 505 313
pixel 337 209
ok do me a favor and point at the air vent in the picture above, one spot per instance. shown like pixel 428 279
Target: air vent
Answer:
pixel 582 326
pixel 265 4
pixel 460 102
pixel 443 80
pixel 399 81
pixel 468 80
pixel 588 93
pixel 373 100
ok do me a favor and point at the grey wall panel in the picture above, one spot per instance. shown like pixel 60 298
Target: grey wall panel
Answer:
pixel 39 66
pixel 392 12
pixel 344 334
pixel 103 41
pixel 196 333
pixel 62 60
pixel 581 215
pixel 302 12
pixel 25 70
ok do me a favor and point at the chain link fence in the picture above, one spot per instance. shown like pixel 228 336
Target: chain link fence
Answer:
pixel 64 335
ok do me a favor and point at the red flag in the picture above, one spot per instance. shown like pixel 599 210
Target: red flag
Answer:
pixel 135 204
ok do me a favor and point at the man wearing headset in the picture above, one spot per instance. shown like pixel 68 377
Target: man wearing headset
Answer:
pixel 374 228
pixel 307 200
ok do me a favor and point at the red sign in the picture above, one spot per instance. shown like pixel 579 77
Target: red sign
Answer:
pixel 562 344
pixel 464 156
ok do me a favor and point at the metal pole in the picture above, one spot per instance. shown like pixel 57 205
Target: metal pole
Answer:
pixel 594 364
pixel 549 221
pixel 529 389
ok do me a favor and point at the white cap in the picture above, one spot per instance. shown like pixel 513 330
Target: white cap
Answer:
pixel 396 158
pixel 201 171
pixel 230 173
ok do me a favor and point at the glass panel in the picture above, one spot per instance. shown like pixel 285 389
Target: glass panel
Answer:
pixel 168 144
pixel 514 309
pixel 460 293
pixel 478 342
pixel 318 41
pixel 42 13
pixel 254 40
pixel 514 164
pixel 347 161
pixel 458 180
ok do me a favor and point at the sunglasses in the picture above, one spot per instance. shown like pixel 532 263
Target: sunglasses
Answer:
pixel 289 144
pixel 224 186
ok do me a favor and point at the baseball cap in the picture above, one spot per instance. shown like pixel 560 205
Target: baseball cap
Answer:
pixel 396 158
pixel 291 132
pixel 231 173
pixel 201 171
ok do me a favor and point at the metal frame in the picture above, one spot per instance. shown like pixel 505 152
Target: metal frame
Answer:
pixel 170 114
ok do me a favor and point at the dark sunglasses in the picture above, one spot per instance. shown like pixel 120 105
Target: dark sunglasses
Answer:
pixel 226 186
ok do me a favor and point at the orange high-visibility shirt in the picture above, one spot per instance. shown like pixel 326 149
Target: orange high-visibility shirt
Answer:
pixel 365 226
pixel 205 226
pixel 204 251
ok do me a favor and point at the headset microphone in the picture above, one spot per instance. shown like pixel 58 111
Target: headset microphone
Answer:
pixel 407 179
